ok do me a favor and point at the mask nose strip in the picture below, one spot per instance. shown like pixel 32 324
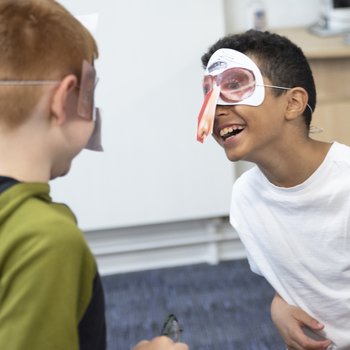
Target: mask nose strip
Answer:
pixel 207 114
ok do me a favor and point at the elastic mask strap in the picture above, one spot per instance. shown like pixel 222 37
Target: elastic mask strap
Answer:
pixel 285 88
pixel 28 82
pixel 276 87
pixel 310 108
pixel 314 129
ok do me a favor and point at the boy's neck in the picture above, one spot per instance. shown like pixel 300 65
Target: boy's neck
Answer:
pixel 22 158
pixel 296 165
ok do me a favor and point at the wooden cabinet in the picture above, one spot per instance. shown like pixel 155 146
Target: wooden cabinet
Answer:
pixel 330 62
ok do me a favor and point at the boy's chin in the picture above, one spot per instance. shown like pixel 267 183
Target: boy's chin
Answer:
pixel 232 156
pixel 230 153
pixel 60 173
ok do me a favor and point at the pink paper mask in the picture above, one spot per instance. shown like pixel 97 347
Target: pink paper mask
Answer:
pixel 86 106
pixel 231 78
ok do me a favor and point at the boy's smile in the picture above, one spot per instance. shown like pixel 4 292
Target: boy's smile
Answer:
pixel 230 131
pixel 245 131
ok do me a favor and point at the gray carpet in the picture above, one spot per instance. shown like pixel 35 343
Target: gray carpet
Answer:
pixel 221 307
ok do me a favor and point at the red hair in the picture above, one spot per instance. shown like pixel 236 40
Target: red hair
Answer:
pixel 39 40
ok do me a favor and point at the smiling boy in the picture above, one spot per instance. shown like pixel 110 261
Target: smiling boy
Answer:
pixel 291 210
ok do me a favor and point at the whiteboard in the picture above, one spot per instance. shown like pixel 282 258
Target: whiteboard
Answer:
pixel 149 90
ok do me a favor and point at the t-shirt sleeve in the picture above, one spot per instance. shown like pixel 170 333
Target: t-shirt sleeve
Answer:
pixel 46 284
pixel 253 266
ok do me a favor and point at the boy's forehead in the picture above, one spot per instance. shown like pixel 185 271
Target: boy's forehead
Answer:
pixel 223 59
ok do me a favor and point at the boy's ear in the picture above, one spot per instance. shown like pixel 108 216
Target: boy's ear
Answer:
pixel 297 102
pixel 61 99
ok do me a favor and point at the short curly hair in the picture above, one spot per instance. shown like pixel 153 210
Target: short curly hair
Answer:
pixel 279 59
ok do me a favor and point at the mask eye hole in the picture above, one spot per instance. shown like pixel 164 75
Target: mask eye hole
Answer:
pixel 236 84
pixel 207 84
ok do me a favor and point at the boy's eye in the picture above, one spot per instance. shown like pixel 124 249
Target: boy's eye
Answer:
pixel 231 85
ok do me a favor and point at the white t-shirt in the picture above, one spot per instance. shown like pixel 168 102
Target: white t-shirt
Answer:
pixel 298 238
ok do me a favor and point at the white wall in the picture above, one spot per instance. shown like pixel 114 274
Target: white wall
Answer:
pixel 165 245
pixel 280 13
pixel 152 170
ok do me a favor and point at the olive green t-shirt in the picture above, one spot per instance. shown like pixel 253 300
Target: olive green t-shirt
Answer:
pixel 47 275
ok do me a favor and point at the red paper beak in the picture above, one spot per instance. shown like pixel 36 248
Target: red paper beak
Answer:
pixel 207 114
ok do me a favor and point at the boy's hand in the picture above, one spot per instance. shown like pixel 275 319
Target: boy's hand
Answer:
pixel 160 343
pixel 290 321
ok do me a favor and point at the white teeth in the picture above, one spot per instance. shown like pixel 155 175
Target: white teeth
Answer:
pixel 225 131
pixel 229 129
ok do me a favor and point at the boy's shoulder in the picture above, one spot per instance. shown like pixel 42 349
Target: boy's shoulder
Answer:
pixel 250 175
pixel 338 160
pixel 245 185
pixel 253 180
pixel 340 152
pixel 28 212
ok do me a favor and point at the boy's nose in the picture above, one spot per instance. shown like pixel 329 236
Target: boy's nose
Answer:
pixel 222 110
